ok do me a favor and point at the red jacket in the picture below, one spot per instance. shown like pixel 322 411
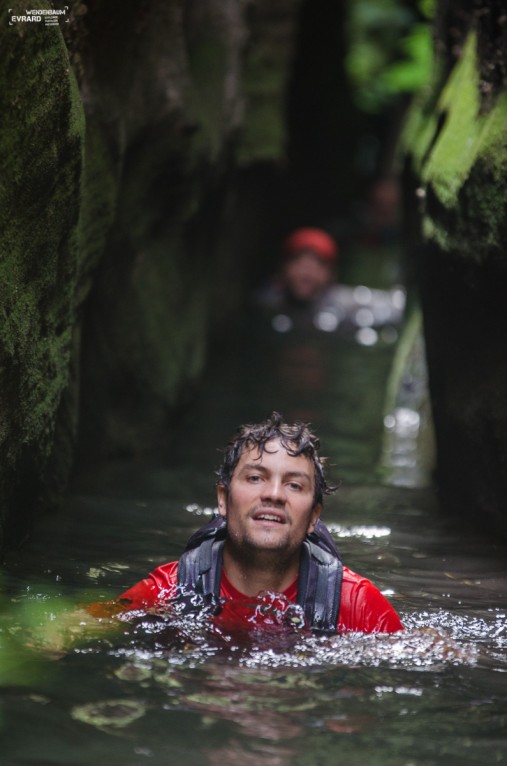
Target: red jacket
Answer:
pixel 362 607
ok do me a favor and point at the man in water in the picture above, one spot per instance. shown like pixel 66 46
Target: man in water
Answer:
pixel 268 538
pixel 307 270
pixel 305 293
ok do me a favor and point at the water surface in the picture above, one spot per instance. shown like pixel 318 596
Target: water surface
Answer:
pixel 433 695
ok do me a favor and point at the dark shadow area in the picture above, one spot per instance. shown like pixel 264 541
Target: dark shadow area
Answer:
pixel 336 152
pixel 212 260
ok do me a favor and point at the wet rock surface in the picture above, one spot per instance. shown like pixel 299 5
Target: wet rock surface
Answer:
pixel 123 134
pixel 455 159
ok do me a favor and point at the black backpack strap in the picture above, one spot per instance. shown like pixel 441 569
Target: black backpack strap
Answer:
pixel 215 526
pixel 200 566
pixel 323 538
pixel 319 586
pixel 320 571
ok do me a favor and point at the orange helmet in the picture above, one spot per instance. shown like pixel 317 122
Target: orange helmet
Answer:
pixel 316 240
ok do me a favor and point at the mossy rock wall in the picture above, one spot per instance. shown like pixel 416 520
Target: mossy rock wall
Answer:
pixel 123 131
pixel 455 151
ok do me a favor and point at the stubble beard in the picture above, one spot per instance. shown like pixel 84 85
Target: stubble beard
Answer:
pixel 274 557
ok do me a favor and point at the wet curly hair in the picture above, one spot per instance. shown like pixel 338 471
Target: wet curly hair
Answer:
pixel 296 438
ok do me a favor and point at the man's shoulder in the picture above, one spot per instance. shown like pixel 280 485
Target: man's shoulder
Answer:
pixel 357 589
pixel 356 586
pixel 166 572
pixel 352 578
pixel 364 608
pixel 158 586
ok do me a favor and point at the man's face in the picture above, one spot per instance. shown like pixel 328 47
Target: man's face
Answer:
pixel 306 275
pixel 270 505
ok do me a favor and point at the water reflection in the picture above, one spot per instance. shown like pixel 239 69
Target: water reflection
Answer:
pixel 408 450
pixel 268 702
pixel 110 714
pixel 433 696
pixel 189 691
pixel 314 376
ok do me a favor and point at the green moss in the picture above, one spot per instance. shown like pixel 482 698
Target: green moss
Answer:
pixel 208 62
pixel 437 133
pixel 456 148
pixel 460 154
pixel 41 138
pixel 263 133
pixel 264 136
pixel 124 213
pixel 100 184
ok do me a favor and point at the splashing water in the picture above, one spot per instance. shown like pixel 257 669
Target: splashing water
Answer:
pixel 269 631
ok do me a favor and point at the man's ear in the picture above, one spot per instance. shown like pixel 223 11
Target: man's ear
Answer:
pixel 315 515
pixel 222 499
